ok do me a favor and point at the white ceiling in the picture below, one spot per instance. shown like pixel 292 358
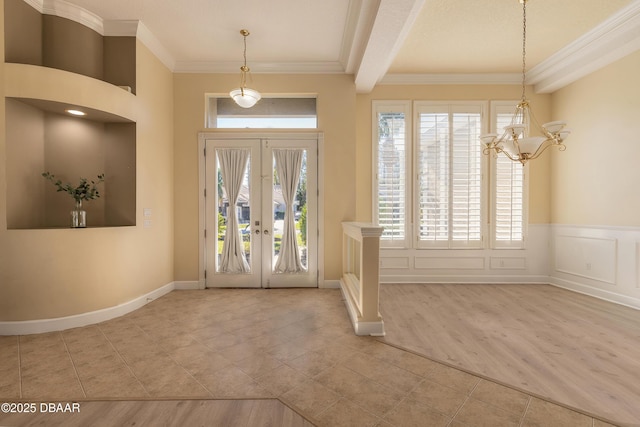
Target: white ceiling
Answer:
pixel 392 41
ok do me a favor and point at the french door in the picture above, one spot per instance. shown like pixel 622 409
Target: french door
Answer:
pixel 261 213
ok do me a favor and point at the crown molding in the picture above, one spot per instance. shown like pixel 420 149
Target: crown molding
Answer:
pixel 610 41
pixel 153 44
pixel 121 28
pixel 36 4
pixel 218 67
pixel 75 13
pixel 125 28
pixel 452 79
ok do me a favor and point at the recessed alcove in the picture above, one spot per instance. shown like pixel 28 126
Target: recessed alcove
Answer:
pixel 56 42
pixel 41 136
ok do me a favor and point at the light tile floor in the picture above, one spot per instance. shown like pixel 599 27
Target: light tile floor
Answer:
pixel 296 345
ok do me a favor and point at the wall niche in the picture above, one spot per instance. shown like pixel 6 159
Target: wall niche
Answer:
pixel 41 136
pixel 52 41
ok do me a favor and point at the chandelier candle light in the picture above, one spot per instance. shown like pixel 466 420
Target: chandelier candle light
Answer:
pixel 243 96
pixel 516 141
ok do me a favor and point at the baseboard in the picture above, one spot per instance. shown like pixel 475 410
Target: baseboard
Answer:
pixel 187 285
pixel 472 279
pixel 374 329
pixel 595 292
pixel 330 284
pixel 39 326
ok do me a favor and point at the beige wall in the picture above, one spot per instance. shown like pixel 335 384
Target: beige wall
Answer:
pixel 336 118
pixel 539 209
pixel 62 272
pixel 595 180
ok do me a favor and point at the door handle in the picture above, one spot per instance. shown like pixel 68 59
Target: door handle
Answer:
pixel 266 231
pixel 257 231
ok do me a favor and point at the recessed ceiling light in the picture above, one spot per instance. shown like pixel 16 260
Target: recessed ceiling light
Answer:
pixel 76 112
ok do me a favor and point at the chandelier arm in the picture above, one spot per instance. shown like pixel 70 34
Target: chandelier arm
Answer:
pixel 499 150
pixel 543 147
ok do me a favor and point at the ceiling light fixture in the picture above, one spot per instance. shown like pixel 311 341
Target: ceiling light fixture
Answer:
pixel 516 142
pixel 76 112
pixel 243 96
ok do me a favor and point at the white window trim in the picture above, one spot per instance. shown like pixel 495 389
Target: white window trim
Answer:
pixel 498 107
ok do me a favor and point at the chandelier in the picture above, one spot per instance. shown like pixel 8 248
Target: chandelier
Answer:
pixel 243 96
pixel 516 142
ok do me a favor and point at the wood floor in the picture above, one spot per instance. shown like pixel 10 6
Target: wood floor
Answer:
pixel 228 413
pixel 546 341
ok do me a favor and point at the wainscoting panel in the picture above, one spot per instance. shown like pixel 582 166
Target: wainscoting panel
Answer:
pixel 395 262
pixel 637 258
pixel 448 263
pixel 528 265
pixel 589 257
pixel 603 262
pixel 508 263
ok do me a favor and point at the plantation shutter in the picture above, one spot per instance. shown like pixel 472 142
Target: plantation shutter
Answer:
pixel 391 159
pixel 509 176
pixel 449 176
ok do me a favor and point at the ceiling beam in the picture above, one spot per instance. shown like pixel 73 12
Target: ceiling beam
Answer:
pixel 393 20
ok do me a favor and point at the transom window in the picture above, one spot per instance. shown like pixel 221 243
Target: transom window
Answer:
pixel 276 113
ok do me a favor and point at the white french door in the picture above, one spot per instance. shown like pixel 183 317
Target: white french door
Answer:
pixel 260 213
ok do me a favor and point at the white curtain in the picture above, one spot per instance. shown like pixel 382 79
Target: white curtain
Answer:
pixel 233 162
pixel 288 164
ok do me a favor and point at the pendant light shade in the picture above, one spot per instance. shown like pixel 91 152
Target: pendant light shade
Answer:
pixel 243 96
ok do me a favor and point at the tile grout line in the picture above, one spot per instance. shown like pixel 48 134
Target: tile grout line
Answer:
pixel 524 413
pixel 123 361
pixel 73 364
pixel 464 402
pixel 171 357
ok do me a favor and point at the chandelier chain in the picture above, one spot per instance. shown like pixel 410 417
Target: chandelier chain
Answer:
pixel 244 52
pixel 524 46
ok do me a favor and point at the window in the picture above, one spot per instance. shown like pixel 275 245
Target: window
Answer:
pixel 392 164
pixel 508 189
pixel 449 171
pixel 443 206
pixel 277 113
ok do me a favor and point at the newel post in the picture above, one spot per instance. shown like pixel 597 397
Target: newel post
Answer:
pixel 360 283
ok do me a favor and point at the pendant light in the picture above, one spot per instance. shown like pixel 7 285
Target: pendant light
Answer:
pixel 243 96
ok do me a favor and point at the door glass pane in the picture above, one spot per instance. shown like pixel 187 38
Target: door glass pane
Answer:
pixel 298 210
pixel 243 209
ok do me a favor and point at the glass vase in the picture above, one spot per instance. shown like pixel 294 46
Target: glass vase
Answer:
pixel 78 216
